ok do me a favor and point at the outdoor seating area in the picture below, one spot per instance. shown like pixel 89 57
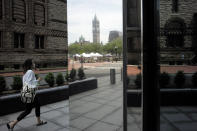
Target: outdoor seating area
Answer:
pixel 92 57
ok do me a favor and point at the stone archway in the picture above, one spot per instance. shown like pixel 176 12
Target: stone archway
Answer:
pixel 174 30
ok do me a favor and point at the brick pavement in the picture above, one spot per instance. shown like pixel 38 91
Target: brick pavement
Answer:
pixel 133 70
pixel 70 66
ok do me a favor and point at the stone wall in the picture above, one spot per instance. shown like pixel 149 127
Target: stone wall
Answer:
pixel 54 31
pixel 56 43
pixel 186 10
pixel 57 15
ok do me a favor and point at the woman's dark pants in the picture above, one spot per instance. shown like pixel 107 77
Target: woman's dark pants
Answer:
pixel 28 108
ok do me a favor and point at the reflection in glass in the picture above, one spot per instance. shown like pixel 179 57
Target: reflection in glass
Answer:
pixel 178 49
pixel 133 43
pixel 33 52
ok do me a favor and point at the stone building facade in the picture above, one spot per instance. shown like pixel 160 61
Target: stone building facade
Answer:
pixel 133 32
pixel 178 21
pixel 34 29
pixel 114 34
pixel 96 30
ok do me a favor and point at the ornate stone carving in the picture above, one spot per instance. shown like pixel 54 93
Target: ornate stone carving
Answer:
pixel 19 11
pixel 174 31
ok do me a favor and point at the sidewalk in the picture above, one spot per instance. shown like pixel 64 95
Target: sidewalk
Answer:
pixel 96 110
pixel 57 116
pixel 101 110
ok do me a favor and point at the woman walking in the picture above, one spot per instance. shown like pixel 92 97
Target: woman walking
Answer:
pixel 29 78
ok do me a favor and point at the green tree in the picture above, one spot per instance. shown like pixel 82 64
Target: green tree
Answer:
pixel 110 47
pixel 74 48
pixel 77 48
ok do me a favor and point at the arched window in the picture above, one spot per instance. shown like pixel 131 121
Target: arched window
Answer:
pixel 174 31
pixel 19 11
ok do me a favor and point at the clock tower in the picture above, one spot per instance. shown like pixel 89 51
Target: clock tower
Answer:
pixel 96 30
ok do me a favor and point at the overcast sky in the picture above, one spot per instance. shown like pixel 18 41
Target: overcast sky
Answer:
pixel 81 13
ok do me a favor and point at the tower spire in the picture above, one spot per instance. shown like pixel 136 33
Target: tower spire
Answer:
pixel 96 29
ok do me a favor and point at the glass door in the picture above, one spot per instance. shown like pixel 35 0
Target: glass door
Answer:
pixel 178 77
pixel 166 100
pixel 141 92
pixel 132 65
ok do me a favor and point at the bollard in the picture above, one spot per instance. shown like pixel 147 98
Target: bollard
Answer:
pixel 121 74
pixel 112 76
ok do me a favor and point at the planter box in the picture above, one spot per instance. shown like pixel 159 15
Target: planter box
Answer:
pixel 178 97
pixel 134 98
pixel 12 103
pixel 82 86
pixel 168 97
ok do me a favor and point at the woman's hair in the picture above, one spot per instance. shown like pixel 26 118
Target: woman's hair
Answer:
pixel 27 65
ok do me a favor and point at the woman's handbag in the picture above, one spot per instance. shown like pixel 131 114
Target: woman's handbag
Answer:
pixel 28 93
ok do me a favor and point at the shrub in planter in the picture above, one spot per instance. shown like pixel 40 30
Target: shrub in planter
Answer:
pixel 138 80
pixel 37 76
pixel 67 77
pixel 81 73
pixel 164 79
pixel 73 74
pixel 128 80
pixel 17 83
pixel 49 78
pixel 179 79
pixel 59 79
pixel 2 84
pixel 194 79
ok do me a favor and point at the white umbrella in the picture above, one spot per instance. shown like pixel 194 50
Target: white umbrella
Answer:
pixel 98 55
pixel 85 55
pixel 77 55
pixel 108 55
pixel 92 54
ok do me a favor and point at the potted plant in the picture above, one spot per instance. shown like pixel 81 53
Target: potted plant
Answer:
pixel 37 76
pixel 59 79
pixel 81 73
pixel 179 79
pixel 73 74
pixel 3 84
pixel 194 79
pixel 49 78
pixel 138 80
pixel 67 76
pixel 17 83
pixel 164 79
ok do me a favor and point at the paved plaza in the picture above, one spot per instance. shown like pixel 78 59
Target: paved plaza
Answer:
pixel 56 114
pixel 98 110
pixel 101 110
pixel 179 118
